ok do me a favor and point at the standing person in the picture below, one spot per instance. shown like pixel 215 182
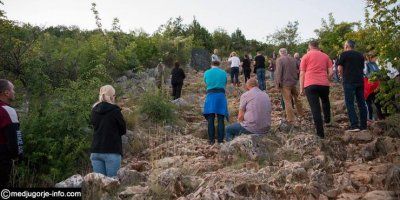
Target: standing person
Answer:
pixel 235 63
pixel 160 75
pixel 271 68
pixel 260 70
pixel 109 125
pixel 177 77
pixel 298 61
pixel 286 81
pixel 315 69
pixel 216 103
pixel 254 112
pixel 11 144
pixel 371 87
pixel 335 71
pixel 351 66
pixel 215 57
pixel 246 65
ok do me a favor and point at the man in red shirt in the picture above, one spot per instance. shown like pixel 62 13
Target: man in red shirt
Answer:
pixel 315 70
pixel 10 135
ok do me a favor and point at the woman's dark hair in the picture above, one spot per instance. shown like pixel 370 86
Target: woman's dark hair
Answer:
pixel 246 56
pixel 177 64
pixel 215 63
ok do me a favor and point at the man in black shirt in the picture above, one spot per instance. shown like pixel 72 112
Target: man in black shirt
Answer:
pixel 177 77
pixel 259 69
pixel 351 65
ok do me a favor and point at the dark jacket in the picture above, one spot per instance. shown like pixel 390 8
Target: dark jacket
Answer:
pixel 178 75
pixel 109 125
pixel 11 144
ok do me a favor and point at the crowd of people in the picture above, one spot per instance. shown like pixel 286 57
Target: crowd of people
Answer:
pixel 310 75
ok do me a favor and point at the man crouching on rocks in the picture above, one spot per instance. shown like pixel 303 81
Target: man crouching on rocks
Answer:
pixel 254 112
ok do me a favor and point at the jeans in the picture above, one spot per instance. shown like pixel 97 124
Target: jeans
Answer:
pixel 5 171
pixel 261 78
pixel 272 75
pixel 235 74
pixel 314 93
pixel 357 90
pixel 176 90
pixel 211 128
pixel 234 130
pixel 290 96
pixel 107 164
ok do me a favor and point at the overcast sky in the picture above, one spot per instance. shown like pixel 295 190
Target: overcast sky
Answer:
pixel 256 18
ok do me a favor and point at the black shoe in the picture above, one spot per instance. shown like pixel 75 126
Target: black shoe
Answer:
pixel 353 129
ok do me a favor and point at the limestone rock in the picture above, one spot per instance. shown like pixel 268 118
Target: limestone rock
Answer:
pixel 380 195
pixel 74 181
pixel 98 186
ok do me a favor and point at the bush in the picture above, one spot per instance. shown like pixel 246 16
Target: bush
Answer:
pixel 156 105
pixel 57 133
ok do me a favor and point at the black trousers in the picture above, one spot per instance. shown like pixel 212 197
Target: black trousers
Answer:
pixel 235 74
pixel 5 171
pixel 246 73
pixel 371 100
pixel 176 90
pixel 314 93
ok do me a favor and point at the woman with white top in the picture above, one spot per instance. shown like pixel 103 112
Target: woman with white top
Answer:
pixel 235 63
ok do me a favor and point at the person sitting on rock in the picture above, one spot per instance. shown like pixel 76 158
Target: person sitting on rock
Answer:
pixel 216 103
pixel 254 112
pixel 109 125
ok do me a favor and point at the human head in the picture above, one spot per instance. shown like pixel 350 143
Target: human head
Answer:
pixel 296 55
pixel 283 52
pixel 177 64
pixel 349 45
pixel 372 56
pixel 7 93
pixel 313 44
pixel 233 54
pixel 252 82
pixel 215 51
pixel 246 56
pixel 259 52
pixel 215 63
pixel 107 94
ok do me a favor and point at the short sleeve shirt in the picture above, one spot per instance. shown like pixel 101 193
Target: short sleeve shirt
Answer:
pixel 353 66
pixel 315 64
pixel 235 61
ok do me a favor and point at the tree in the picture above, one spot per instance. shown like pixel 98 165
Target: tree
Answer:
pixel 201 36
pixel 332 36
pixel 173 28
pixel 286 37
pixel 222 41
pixel 96 17
pixel 238 41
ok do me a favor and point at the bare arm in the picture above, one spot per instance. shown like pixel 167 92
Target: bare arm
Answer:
pixel 340 70
pixel 302 82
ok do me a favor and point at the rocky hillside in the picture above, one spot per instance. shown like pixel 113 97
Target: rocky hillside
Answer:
pixel 174 161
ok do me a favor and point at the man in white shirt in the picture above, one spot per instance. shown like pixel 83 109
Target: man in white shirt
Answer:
pixel 235 63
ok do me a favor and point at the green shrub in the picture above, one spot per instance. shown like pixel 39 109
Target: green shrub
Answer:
pixel 156 105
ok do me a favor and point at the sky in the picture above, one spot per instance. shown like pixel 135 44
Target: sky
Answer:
pixel 255 18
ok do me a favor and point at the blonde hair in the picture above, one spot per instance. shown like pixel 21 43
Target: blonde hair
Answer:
pixel 106 94
pixel 233 53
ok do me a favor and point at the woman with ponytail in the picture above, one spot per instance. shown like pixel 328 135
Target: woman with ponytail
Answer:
pixel 109 125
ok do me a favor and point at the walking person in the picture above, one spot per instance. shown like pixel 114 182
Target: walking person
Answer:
pixel 254 112
pixel 109 125
pixel 371 88
pixel 177 77
pixel 11 143
pixel 246 65
pixel 315 70
pixel 235 63
pixel 351 66
pixel 259 69
pixel 216 104
pixel 298 61
pixel 160 75
pixel 286 80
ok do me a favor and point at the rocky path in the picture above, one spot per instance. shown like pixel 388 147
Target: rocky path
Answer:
pixel 175 161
